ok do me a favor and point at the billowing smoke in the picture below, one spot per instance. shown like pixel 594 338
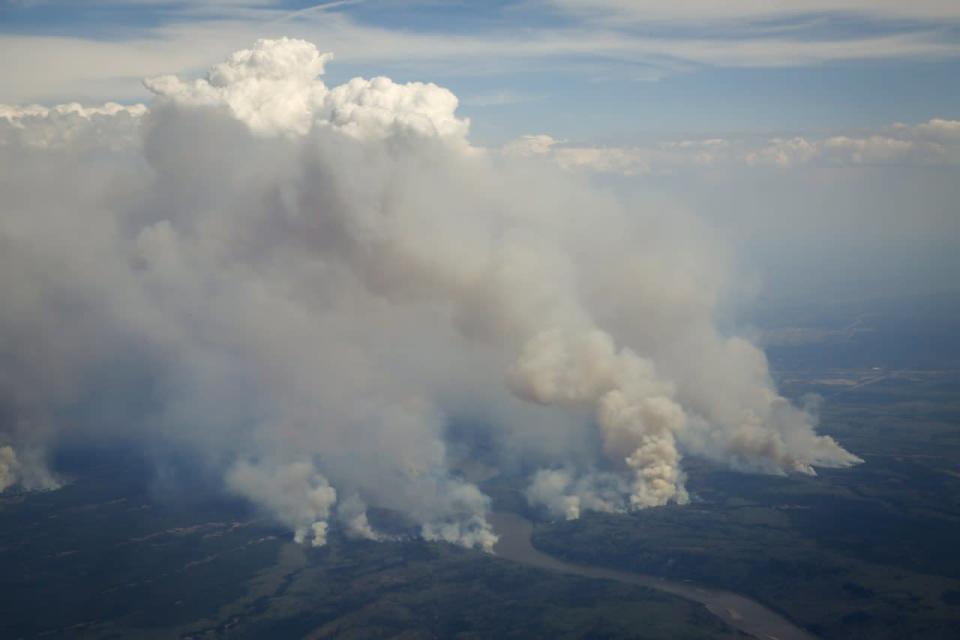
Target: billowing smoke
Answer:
pixel 27 470
pixel 635 410
pixel 310 285
pixel 299 496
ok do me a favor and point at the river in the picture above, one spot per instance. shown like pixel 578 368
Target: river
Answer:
pixel 736 610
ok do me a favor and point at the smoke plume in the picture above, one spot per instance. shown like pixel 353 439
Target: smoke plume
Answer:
pixel 310 285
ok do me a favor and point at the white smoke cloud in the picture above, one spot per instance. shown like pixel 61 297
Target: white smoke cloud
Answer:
pixel 110 125
pixel 315 282
pixel 352 512
pixel 635 410
pixel 28 471
pixel 563 494
pixel 9 468
pixel 297 494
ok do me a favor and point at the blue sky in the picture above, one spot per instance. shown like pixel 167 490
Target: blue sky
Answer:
pixel 622 70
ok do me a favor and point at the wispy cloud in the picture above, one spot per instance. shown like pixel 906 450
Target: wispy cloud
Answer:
pixel 499 98
pixel 41 67
pixel 703 11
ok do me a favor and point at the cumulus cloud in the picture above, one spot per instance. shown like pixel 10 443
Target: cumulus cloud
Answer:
pixel 935 129
pixel 782 153
pixel 932 143
pixel 311 286
pixel 273 88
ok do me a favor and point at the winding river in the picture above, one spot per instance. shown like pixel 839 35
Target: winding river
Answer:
pixel 738 611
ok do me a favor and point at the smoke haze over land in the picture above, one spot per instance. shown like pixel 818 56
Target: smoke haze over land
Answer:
pixel 307 285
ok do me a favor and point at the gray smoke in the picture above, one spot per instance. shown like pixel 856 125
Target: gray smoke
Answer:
pixel 315 282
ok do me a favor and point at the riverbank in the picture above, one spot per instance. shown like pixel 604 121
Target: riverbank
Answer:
pixel 736 610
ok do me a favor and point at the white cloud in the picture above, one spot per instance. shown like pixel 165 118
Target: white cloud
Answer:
pixel 700 11
pixel 44 68
pixel 936 142
pixel 499 99
pixel 531 145
pixel 930 143
pixel 782 153
pixel 274 88
pixel 937 129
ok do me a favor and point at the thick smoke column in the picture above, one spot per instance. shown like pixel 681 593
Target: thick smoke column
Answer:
pixel 635 410
pixel 299 496
pixel 309 285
